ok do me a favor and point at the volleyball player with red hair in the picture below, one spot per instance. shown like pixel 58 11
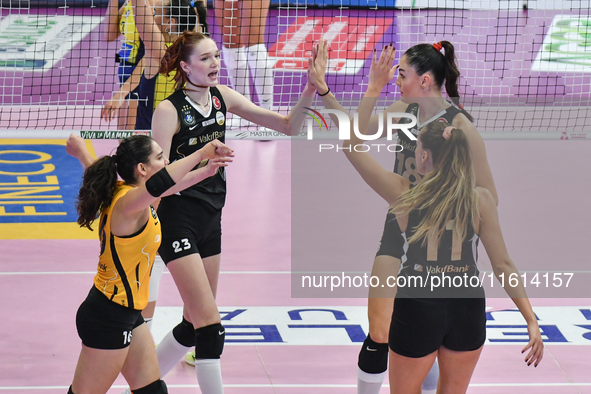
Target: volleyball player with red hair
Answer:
pixel 191 220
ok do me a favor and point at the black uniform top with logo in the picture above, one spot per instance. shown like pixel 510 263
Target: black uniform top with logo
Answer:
pixel 198 127
pixel 444 270
pixel 406 164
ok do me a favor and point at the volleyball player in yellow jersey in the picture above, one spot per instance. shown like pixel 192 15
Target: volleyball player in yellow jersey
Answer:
pixel 123 104
pixel 109 321
pixel 158 27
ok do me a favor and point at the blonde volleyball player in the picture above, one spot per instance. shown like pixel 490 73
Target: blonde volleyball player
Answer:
pixel 442 218
pixel 424 70
pixel 109 321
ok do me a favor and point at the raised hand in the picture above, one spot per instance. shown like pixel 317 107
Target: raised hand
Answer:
pixel 75 146
pixel 382 71
pixel 317 64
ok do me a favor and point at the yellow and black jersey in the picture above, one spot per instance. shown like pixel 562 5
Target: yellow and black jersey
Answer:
pixel 132 49
pixel 125 263
pixel 151 92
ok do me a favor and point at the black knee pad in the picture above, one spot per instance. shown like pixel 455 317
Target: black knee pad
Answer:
pixel 70 390
pixel 157 387
pixel 184 333
pixel 373 357
pixel 209 341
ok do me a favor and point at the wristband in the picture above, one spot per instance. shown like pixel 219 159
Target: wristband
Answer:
pixel 327 92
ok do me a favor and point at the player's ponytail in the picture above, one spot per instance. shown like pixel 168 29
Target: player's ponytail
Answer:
pixel 100 178
pixel 451 77
pixel 448 192
pixel 202 14
pixel 96 193
pixel 180 50
pixel 188 14
pixel 442 66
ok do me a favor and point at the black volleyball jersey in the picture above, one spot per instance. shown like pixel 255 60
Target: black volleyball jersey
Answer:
pixel 406 164
pixel 198 127
pixel 451 258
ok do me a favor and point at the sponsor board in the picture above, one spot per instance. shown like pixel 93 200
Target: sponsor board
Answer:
pixel 38 42
pixel 255 134
pixel 574 136
pixel 337 3
pixel 111 135
pixel 39 184
pixel 566 46
pixel 350 41
pixel 278 325
pixel 494 5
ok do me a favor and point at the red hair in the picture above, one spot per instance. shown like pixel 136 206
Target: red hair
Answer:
pixel 180 50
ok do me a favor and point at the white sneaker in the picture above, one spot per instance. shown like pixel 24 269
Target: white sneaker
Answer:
pixel 127 391
pixel 190 358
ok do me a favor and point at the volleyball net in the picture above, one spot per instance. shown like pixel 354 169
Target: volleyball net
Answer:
pixel 525 73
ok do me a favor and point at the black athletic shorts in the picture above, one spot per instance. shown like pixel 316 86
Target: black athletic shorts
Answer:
pixel 104 324
pixel 189 226
pixel 420 326
pixel 392 243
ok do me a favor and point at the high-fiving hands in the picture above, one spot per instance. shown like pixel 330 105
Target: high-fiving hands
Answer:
pixel 380 74
pixel 382 71
pixel 317 64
